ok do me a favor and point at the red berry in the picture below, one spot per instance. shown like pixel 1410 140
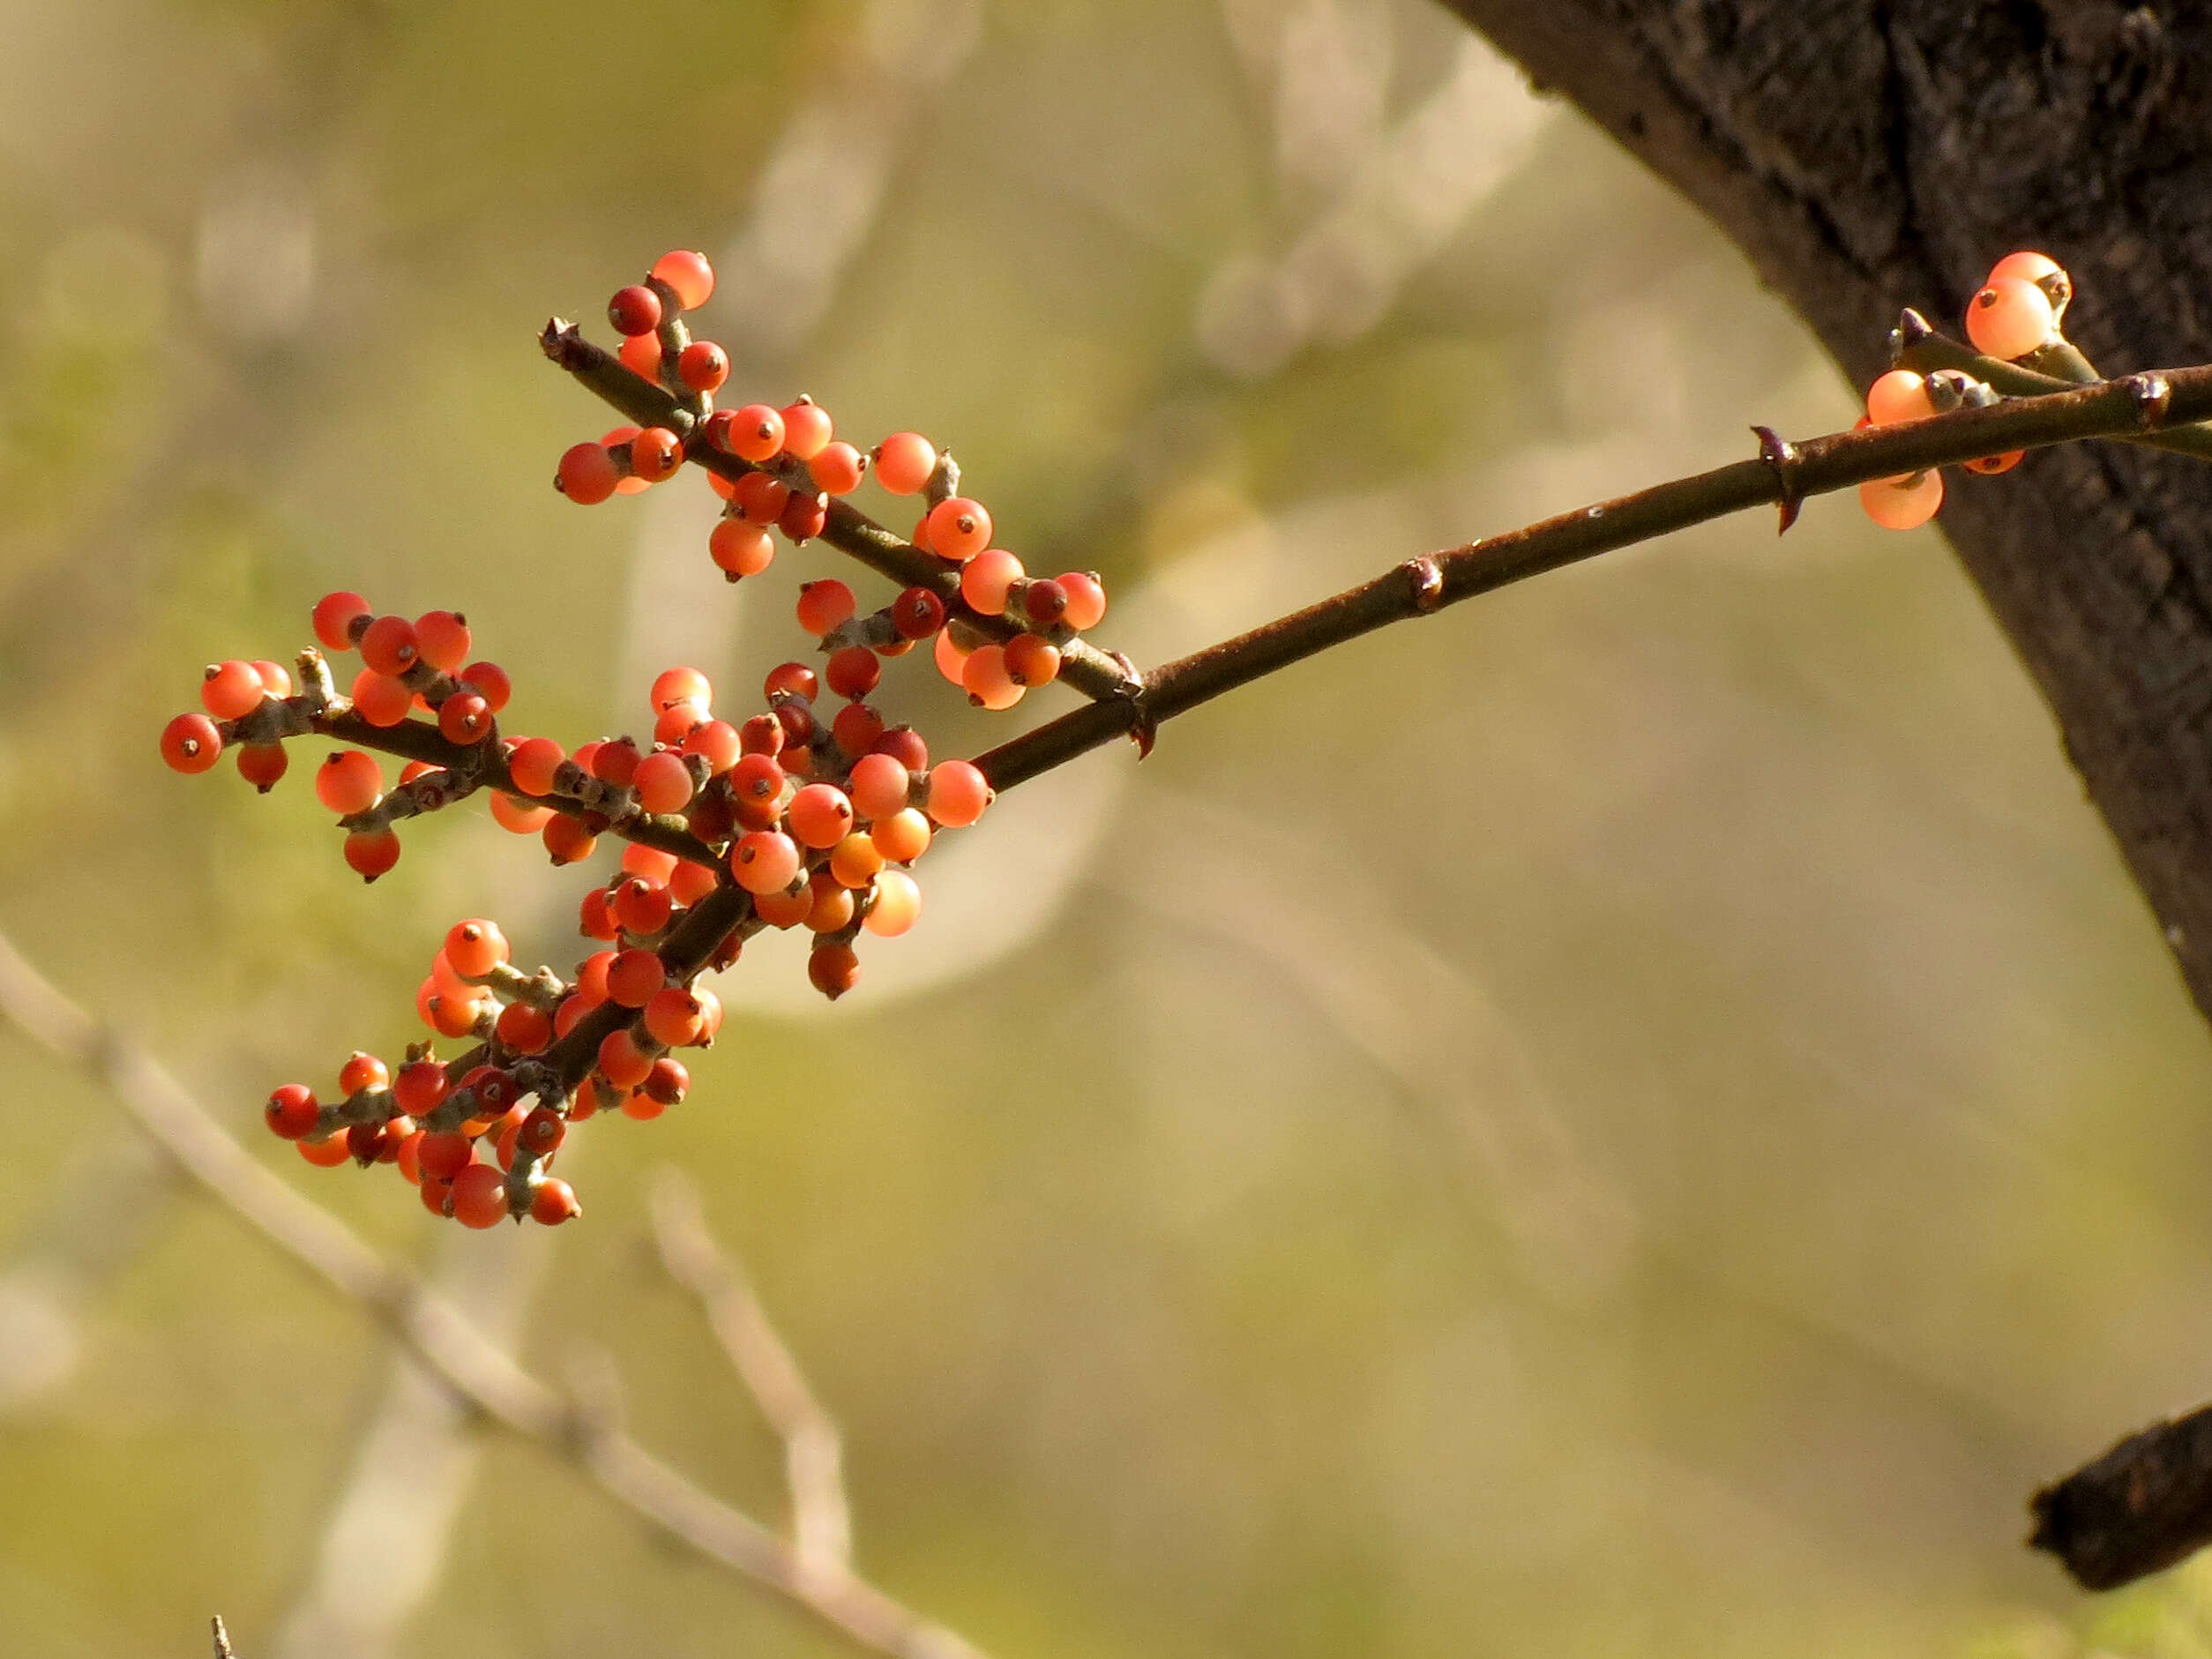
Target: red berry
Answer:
pixel 960 528
pixel 692 882
pixel 904 745
pixel 442 638
pixel 292 1111
pixel 987 578
pixel 754 433
pixel 531 764
pixel 480 1195
pixel 764 861
pixel 326 1154
pixel 191 743
pixel 680 685
pixel 621 1061
pixel 231 690
pixel 568 841
pixel 490 682
pixel 655 453
pixel 1986 465
pixel 703 366
pixel 667 1082
pixel 917 613
pixel 419 1088
pixel 1032 661
pixel 806 429
pixel 832 968
pixel 958 793
pixel 613 761
pixel 389 646
pixel 802 518
pixel 380 699
pixel 542 1131
pixel 856 727
pixel 587 474
pixel 348 782
pixel 633 976
pixel 521 817
pixel 274 679
pixel 687 273
pixel 474 947
pixel 595 915
pixel 443 1156
pixel 1043 602
pixel 791 679
pixel 824 605
pixel 853 671
pixel 716 742
pixel 641 355
pixel 642 907
pixel 635 310
pixel 674 1016
pixel 740 548
pixel 334 616
pixel 904 462
pixel 554 1202
pixel 362 1075
pixel 837 468
pixel 525 1030
pixel 879 786
pixel 372 853
pixel 464 718
pixel 820 815
pixel 1085 600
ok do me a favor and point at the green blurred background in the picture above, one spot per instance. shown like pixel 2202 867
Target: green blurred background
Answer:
pixel 1641 1117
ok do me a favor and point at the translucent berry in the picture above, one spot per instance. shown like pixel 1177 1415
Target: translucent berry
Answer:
pixel 480 1195
pixel 635 310
pixel 326 1154
pixel 348 782
pixel 380 699
pixel 191 743
pixel 362 1075
pixel 1901 504
pixel 641 355
pixel 525 1030
pixel 2009 318
pixel 674 1016
pixel 667 1083
pixel 715 742
pixel 836 469
pixel 613 761
pixel 960 528
pixel 621 1061
pixel 587 474
pixel 491 682
pixel 904 745
pixel 663 782
pixel 986 578
pixel 987 682
pixel 1899 395
pixel 2027 264
pixel 824 604
pixel 292 1111
pixel 902 838
pixel 904 462
pixel 854 861
pixel 1085 600
pixel 371 852
pixel 898 904
pixel 231 690
pixel 806 429
pixel 655 453
pixel 952 662
pixel 760 498
pixel 642 907
pixel 633 976
pixel 754 433
pixel 334 616
pixel 689 274
pixel 791 679
pixel 389 646
pixel 703 366
pixel 568 841
pixel 958 793
pixel 420 1087
pixel 764 861
pixel 1032 660
pixel 532 762
pixel 595 915
pixel 692 882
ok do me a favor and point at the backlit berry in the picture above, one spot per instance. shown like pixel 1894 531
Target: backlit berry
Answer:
pixel 740 548
pixel 231 690
pixel 568 841
pixel 703 366
pixel 517 816
pixel 760 498
pixel 1899 395
pixel 474 947
pixel 326 1154
pixel 464 718
pixel 655 453
pixel 806 429
pixel 381 700
pixel 2027 264
pixel 587 474
pixel 679 685
pixel 960 528
pixel 898 905
pixel 2009 318
pixel 614 761
pixel 855 860
pixel 1085 600
pixel 820 815
pixel 554 1202
pixel 635 310
pixel 689 274
pixel 674 1016
pixel 667 1083
pixel 334 616
pixel 348 782
pixel 802 518
pixel 191 743
pixel 642 907
pixel 832 968
pixel 276 680
pixel 715 742
pixel 621 1061
pixel 371 852
pixel 663 782
pixel 525 1030
pixel 823 605
pixel 986 578
pixel 764 861
pixel 791 679
pixel 904 462
pixel 1901 504
pixel 389 646
pixel 292 1111
pixel 362 1075
pixel 952 662
pixel 633 976
pixel 836 470
pixel 490 682
pixel 958 793
pixel 1032 660
pixel 986 681
pixel 641 355
pixel 902 838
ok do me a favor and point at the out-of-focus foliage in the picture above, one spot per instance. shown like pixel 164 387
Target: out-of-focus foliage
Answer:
pixel 1641 1116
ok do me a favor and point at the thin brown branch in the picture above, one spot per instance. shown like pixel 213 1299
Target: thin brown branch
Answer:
pixel 222 1639
pixel 2138 1509
pixel 447 1346
pixel 813 1454
pixel 1787 474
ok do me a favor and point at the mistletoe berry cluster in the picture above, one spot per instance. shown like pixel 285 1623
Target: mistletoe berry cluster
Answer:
pixel 792 817
pixel 2014 317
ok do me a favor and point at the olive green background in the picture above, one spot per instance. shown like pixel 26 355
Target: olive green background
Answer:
pixel 1637 1116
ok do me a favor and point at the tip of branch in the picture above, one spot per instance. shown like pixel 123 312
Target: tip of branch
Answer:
pixel 222 1639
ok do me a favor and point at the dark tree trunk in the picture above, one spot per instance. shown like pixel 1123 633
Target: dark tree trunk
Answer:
pixel 1871 154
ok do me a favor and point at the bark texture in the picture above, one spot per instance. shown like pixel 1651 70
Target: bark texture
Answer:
pixel 1871 154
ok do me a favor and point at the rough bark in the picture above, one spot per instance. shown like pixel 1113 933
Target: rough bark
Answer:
pixel 1870 154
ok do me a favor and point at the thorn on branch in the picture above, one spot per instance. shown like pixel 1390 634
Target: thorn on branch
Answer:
pixel 1781 454
pixel 2154 394
pixel 1427 577
pixel 1144 731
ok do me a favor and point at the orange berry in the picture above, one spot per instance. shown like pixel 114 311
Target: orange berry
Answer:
pixel 898 905
pixel 903 837
pixel 703 366
pixel 1901 504
pixel 480 1195
pixel 2009 318
pixel 807 429
pixel 836 469
pixel 754 433
pixel 1899 395
pixel 987 578
pixel 958 793
pixel 1085 600
pixel 370 853
pixel 231 690
pixel 855 860
pixel 959 528
pixel 689 274
pixel 655 453
pixel 904 462
pixel 554 1202
pixel 986 681
pixel 474 947
pixel 191 743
